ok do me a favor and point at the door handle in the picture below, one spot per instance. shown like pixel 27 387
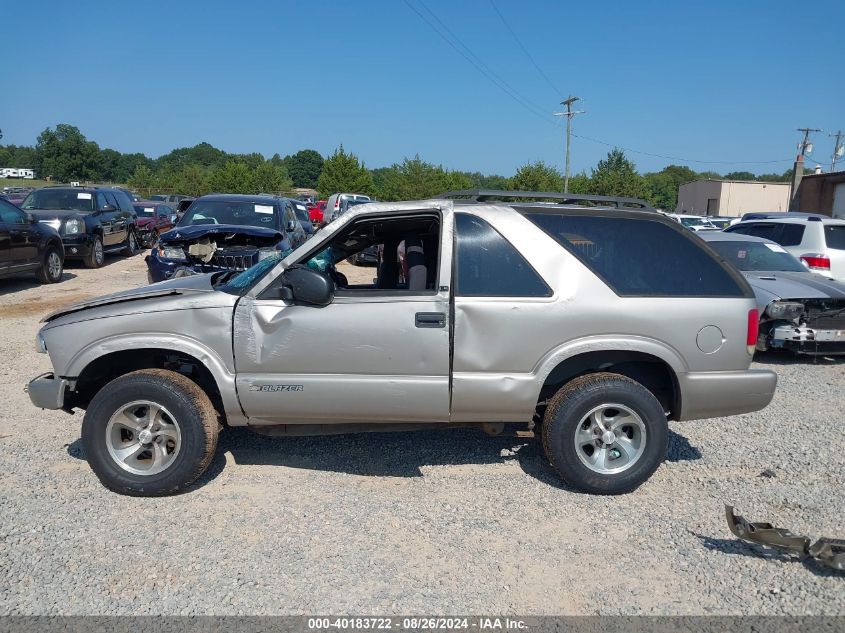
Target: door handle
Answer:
pixel 430 319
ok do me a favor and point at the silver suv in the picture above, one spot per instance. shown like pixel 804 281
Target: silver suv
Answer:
pixel 590 320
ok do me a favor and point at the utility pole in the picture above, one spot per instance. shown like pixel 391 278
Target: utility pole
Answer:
pixel 804 147
pixel 838 149
pixel 568 114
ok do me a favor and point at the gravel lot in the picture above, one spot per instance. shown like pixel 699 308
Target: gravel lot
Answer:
pixel 427 522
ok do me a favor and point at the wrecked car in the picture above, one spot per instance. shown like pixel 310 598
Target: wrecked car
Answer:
pixel 154 218
pixel 225 232
pixel 800 310
pixel 623 339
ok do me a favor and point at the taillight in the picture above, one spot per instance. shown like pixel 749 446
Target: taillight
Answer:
pixel 821 262
pixel 753 330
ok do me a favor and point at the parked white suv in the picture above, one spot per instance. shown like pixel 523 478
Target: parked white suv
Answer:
pixel 335 204
pixel 694 222
pixel 817 240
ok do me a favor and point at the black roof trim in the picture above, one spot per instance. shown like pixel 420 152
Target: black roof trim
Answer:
pixel 484 195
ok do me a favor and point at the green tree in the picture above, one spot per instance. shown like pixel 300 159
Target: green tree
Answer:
pixel 617 176
pixel 142 179
pixel 740 175
pixel 270 178
pixel 343 172
pixel 232 177
pixel 415 179
pixel 304 168
pixel 66 155
pixel 203 154
pixel 191 180
pixel 663 185
pixel 537 176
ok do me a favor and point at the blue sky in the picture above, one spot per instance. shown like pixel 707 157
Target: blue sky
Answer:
pixel 712 81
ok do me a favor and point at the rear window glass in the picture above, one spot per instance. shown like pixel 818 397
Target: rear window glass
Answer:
pixel 489 266
pixel 834 235
pixel 641 257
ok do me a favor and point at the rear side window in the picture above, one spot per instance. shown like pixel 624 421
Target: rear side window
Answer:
pixel 487 265
pixel 792 235
pixel 834 235
pixel 641 257
pixel 766 230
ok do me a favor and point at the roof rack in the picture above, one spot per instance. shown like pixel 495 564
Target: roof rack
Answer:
pixel 483 195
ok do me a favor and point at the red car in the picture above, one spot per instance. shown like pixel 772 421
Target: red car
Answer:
pixel 315 212
pixel 153 218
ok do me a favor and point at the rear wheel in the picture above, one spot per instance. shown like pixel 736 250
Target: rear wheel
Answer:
pixel 52 266
pixel 150 433
pixel 605 433
pixel 96 257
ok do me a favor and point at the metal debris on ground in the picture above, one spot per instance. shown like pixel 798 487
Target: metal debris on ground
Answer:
pixel 827 551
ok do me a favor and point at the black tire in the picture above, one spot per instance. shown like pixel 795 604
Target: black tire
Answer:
pixel 52 267
pixel 567 412
pixel 96 256
pixel 190 407
pixel 131 243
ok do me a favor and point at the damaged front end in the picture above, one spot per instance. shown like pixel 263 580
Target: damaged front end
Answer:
pixel 827 551
pixel 181 253
pixel 807 326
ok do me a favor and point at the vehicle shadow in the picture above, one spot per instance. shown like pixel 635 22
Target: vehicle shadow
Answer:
pixel 399 454
pixel 26 281
pixel 735 547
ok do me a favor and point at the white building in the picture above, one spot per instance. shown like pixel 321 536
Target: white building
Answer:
pixel 14 172
pixel 732 198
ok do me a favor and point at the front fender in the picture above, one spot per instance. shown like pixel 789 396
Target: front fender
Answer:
pixel 223 376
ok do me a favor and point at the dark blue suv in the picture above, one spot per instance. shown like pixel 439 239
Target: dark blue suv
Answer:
pixel 226 232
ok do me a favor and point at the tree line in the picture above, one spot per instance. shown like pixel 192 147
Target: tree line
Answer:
pixel 64 154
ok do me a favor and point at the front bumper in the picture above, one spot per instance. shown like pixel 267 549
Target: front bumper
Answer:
pixel 801 339
pixel 715 394
pixel 77 246
pixel 47 392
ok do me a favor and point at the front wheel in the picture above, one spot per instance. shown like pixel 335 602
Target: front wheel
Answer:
pixel 52 266
pixel 150 433
pixel 131 244
pixel 96 257
pixel 605 433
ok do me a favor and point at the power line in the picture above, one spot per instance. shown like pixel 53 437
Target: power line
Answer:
pixel 479 65
pixel 685 160
pixel 524 50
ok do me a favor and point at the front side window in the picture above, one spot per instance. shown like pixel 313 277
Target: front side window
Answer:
pixel 641 257
pixel 487 265
pixel 387 255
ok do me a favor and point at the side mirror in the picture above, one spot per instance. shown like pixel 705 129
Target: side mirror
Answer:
pixel 290 226
pixel 306 286
pixel 107 208
pixel 174 218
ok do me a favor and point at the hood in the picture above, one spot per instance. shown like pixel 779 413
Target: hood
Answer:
pixel 193 284
pixel 141 222
pixel 793 285
pixel 196 231
pixel 52 214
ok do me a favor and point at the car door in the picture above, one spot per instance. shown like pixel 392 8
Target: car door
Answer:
pixel 369 356
pixel 124 214
pixel 23 237
pixel 5 238
pixel 106 218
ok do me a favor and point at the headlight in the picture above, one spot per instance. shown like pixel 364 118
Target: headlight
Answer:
pixel 264 253
pixel 40 344
pixel 788 310
pixel 172 252
pixel 74 226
